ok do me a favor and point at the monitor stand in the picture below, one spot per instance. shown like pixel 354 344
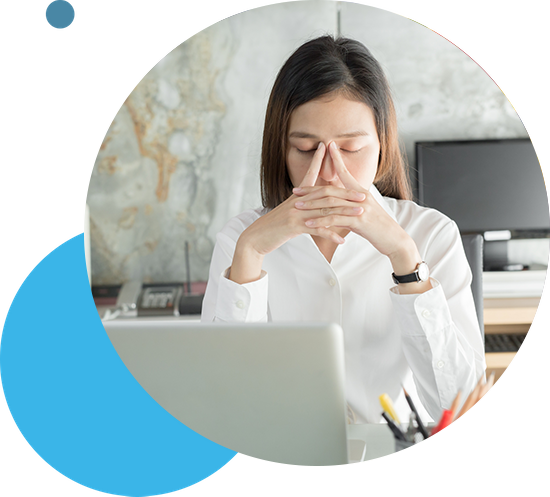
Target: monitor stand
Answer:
pixel 495 257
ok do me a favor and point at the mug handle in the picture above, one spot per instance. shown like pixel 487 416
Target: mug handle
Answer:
pixel 531 375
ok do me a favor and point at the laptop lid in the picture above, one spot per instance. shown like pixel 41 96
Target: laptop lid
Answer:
pixel 271 391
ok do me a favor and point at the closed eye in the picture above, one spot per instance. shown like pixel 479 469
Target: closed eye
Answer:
pixel 342 150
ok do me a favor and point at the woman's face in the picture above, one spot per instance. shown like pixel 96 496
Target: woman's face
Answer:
pixel 349 123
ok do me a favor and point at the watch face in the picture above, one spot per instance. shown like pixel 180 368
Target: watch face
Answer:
pixel 423 271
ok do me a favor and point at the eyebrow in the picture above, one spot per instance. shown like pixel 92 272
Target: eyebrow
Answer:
pixel 351 134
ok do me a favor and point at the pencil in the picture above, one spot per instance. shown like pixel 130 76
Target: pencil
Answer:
pixel 470 402
pixel 413 409
pixel 456 403
pixel 475 422
pixel 483 390
pixel 387 405
pixel 476 407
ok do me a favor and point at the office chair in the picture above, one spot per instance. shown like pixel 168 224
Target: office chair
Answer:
pixel 473 247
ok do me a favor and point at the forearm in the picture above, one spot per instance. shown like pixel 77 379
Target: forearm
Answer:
pixel 247 263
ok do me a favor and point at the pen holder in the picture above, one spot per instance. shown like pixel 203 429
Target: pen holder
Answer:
pixel 428 455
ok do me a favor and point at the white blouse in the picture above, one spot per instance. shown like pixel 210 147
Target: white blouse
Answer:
pixel 429 343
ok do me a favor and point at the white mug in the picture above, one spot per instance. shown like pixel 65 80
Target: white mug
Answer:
pixel 539 376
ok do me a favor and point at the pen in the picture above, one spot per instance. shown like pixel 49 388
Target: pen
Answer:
pixel 387 405
pixel 418 420
pixel 397 433
pixel 446 420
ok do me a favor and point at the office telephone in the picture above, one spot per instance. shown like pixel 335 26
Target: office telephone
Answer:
pixel 158 299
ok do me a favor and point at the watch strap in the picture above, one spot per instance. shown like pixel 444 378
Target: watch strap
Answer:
pixel 409 278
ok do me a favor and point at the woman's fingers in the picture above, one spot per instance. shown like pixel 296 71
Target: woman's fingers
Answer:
pixel 313 172
pixel 345 176
pixel 317 192
pixel 346 210
pixel 322 203
pixel 326 233
pixel 335 220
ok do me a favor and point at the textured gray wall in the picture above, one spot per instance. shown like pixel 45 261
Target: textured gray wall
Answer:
pixel 182 155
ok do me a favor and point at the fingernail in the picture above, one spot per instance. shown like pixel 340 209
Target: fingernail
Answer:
pixel 310 223
pixel 360 196
pixel 340 240
pixel 333 145
pixel 358 209
pixel 299 204
pixel 320 145
pixel 296 190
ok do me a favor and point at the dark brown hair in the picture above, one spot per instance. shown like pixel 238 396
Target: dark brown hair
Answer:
pixel 319 67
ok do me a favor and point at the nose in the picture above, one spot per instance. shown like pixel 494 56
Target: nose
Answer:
pixel 327 171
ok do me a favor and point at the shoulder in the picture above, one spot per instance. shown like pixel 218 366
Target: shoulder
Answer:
pixel 236 225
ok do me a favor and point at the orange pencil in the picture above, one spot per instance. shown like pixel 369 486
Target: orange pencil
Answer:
pixel 483 390
pixel 470 402
pixel 475 422
pixel 456 403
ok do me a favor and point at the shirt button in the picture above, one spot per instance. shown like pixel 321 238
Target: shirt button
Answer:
pixel 332 282
pixel 440 364
pixel 240 304
pixel 426 313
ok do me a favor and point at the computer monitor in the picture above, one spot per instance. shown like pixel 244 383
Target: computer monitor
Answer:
pixel 492 187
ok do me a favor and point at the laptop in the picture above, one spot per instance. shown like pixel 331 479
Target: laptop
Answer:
pixel 271 391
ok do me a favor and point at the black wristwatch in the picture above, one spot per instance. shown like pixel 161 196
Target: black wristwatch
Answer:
pixel 421 273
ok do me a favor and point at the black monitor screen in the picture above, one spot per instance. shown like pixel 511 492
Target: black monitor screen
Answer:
pixel 484 185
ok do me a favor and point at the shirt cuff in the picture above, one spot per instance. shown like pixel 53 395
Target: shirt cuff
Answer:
pixel 422 313
pixel 242 303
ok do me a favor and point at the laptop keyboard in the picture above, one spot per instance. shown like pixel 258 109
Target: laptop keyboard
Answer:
pixel 503 342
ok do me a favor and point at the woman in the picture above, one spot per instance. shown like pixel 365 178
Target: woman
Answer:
pixel 339 240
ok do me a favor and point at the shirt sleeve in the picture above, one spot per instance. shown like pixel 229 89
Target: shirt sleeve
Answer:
pixel 227 301
pixel 440 332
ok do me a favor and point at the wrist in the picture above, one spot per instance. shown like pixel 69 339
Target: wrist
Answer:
pixel 405 259
pixel 245 247
pixel 246 265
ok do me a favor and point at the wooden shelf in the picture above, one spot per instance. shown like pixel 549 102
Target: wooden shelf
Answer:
pixel 509 311
pixel 499 360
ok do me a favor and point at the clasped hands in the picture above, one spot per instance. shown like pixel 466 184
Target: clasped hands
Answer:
pixel 352 207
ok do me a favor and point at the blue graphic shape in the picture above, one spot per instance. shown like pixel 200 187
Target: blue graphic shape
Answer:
pixel 41 56
pixel 60 14
pixel 75 401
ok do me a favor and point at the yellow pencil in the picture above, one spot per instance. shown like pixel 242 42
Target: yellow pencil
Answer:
pixel 387 405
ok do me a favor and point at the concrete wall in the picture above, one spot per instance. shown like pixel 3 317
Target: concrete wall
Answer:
pixel 182 155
